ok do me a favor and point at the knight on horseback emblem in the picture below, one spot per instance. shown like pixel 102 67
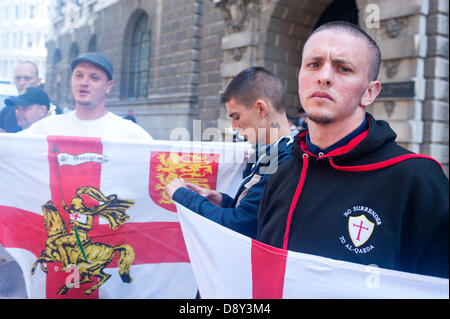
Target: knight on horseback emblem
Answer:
pixel 71 245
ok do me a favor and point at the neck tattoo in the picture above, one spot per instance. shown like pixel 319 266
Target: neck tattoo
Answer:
pixel 275 124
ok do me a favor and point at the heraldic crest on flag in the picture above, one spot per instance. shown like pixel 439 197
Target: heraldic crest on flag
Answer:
pixel 70 245
pixel 199 169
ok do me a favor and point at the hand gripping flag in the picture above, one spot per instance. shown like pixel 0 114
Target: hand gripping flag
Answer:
pixel 89 218
pixel 228 265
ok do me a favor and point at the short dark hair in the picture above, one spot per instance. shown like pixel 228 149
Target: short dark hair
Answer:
pixel 357 31
pixel 254 83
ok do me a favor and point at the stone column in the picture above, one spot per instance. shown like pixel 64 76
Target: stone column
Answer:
pixel 436 108
pixel 239 44
pixel 401 36
pixel 413 39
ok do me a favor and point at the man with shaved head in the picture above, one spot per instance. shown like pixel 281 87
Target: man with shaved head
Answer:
pixel 350 192
pixel 26 74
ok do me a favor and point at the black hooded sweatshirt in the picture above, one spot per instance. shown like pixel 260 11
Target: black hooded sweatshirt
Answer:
pixel 369 202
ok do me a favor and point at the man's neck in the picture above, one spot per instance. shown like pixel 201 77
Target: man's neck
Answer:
pixel 278 128
pixel 325 135
pixel 90 113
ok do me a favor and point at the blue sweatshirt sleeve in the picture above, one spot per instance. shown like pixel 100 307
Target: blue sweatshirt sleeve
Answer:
pixel 227 201
pixel 242 218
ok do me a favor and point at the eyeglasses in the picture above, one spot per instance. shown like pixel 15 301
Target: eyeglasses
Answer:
pixel 25 78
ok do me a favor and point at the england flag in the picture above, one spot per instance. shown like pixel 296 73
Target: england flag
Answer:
pixel 229 265
pixel 90 218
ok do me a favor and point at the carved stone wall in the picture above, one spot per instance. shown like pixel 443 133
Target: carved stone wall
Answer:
pixel 413 38
pixel 197 46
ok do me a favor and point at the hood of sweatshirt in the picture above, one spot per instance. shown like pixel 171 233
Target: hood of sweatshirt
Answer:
pixel 378 135
pixel 373 149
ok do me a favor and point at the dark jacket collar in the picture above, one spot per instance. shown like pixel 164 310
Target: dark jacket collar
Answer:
pixel 374 136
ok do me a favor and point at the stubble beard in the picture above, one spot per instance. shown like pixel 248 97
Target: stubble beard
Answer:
pixel 320 119
pixel 83 103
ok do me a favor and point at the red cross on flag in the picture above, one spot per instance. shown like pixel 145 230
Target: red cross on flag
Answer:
pixel 229 265
pixel 89 218
pixel 79 218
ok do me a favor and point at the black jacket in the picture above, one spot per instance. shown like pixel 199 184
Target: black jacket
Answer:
pixel 370 202
pixel 8 120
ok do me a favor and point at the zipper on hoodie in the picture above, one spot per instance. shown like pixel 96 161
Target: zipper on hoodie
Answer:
pixel 298 191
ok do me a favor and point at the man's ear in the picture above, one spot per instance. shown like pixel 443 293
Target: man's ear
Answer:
pixel 261 107
pixel 43 111
pixel 371 93
pixel 109 86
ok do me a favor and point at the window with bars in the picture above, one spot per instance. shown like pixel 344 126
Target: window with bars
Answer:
pixel 139 59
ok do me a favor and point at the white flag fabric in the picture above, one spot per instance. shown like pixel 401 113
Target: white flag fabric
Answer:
pixel 227 264
pixel 89 218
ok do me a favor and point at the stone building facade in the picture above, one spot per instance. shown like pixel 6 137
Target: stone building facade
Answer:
pixel 174 58
pixel 23 31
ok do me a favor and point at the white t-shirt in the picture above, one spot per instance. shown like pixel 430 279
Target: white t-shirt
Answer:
pixel 107 126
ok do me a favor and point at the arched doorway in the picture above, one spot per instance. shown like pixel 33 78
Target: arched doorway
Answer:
pixel 339 10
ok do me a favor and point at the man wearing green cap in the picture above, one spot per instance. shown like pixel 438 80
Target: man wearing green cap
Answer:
pixel 92 80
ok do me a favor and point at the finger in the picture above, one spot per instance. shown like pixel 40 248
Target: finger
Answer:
pixel 176 180
pixel 194 187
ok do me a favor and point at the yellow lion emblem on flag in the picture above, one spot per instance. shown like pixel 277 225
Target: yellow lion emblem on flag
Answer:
pixel 199 169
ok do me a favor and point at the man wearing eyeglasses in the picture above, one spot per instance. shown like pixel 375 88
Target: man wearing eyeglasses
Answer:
pixel 26 74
